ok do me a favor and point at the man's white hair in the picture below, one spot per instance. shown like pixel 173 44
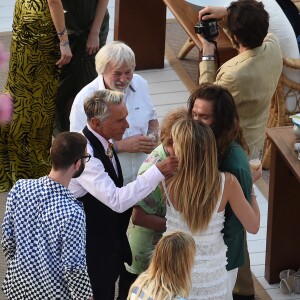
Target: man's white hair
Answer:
pixel 115 53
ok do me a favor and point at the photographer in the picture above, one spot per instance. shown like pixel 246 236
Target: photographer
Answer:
pixel 251 77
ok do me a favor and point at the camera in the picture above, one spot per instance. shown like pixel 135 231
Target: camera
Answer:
pixel 207 28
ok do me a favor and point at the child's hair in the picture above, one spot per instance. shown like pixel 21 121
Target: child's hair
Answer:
pixel 169 272
pixel 167 123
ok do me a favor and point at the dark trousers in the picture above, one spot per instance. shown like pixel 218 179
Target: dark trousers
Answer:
pixel 76 75
pixel 108 293
pixel 125 281
pixel 103 271
pixel 103 283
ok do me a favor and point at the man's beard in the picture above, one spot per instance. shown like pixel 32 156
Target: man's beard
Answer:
pixel 80 170
pixel 123 89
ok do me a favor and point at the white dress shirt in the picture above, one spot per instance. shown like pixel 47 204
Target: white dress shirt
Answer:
pixel 97 182
pixel 140 112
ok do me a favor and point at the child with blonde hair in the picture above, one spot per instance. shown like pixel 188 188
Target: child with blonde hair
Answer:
pixel 169 274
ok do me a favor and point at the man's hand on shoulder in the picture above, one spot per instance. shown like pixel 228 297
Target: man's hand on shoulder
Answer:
pixel 169 166
pixel 136 143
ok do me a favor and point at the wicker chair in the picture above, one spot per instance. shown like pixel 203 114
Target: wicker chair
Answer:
pixel 278 114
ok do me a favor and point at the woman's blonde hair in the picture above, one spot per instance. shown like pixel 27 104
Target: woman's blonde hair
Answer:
pixel 169 272
pixel 195 188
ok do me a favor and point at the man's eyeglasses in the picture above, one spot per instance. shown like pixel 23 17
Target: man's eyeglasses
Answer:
pixel 86 157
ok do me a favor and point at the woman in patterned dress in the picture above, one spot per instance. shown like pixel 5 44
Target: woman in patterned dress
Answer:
pixel 197 196
pixel 39 47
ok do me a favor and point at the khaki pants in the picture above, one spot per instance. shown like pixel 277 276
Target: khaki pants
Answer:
pixel 244 283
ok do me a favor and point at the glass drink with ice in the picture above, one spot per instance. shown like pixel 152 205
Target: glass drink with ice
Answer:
pixel 255 164
pixel 255 160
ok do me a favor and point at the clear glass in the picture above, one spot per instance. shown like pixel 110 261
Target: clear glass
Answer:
pixel 153 133
pixel 255 159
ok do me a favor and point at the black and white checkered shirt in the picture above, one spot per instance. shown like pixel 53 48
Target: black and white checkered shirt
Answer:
pixel 44 242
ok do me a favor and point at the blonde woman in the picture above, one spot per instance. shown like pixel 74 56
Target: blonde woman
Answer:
pixel 169 274
pixel 148 222
pixel 197 196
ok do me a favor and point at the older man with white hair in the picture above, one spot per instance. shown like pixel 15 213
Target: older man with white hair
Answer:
pixel 115 64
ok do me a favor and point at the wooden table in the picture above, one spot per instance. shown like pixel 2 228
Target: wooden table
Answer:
pixel 283 229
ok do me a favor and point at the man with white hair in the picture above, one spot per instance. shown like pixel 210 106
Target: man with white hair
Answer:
pixel 115 64
pixel 107 203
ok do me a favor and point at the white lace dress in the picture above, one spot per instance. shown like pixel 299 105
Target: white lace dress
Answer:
pixel 209 273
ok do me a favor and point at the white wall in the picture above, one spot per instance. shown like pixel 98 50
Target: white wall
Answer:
pixel 6 14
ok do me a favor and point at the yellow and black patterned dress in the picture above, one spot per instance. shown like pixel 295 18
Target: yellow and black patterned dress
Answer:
pixel 32 82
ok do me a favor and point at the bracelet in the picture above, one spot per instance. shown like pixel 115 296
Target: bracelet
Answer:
pixel 62 32
pixel 254 195
pixel 64 43
pixel 208 57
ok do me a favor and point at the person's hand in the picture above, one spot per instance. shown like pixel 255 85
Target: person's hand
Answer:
pixel 66 54
pixel 3 55
pixel 136 143
pixel 6 108
pixel 93 43
pixel 208 48
pixel 214 12
pixel 169 166
pixel 256 174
